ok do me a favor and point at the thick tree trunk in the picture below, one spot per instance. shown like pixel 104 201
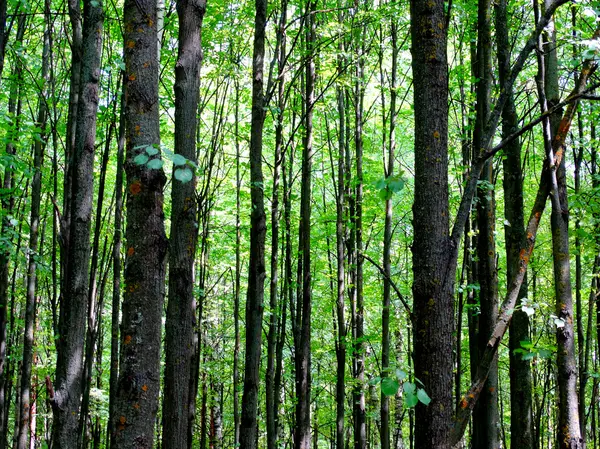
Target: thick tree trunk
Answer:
pixel 521 424
pixel 184 233
pixel 433 271
pixel 73 315
pixel 238 276
pixel 257 270
pixel 139 368
pixel 39 147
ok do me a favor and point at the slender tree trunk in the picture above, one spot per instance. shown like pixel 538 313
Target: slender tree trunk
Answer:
pixel 39 147
pixel 181 306
pixel 257 270
pixel 116 283
pixel 302 437
pixel 485 417
pixel 433 271
pixel 238 276
pixel 7 202
pixel 387 246
pixel 69 365
pixel 569 431
pixel 521 424
pixel 340 346
pixel 139 382
pixel 276 311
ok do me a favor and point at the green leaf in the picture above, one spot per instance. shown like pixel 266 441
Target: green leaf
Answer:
pixel 400 375
pixel 151 150
pixel 410 400
pixel 389 386
pixel 178 159
pixel 184 174
pixel 141 159
pixel 395 183
pixel 155 164
pixel 409 388
pixel 423 396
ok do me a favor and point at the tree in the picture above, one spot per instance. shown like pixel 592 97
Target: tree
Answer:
pixel 146 244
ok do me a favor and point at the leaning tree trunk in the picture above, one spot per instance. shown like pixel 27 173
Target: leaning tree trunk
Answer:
pixel 180 309
pixel 138 385
pixel 39 147
pixel 433 273
pixel 257 270
pixel 69 364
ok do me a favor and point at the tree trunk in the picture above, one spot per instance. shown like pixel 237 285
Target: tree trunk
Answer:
pixel 69 364
pixel 116 285
pixel 139 371
pixel 39 147
pixel 433 271
pixel 274 320
pixel 257 270
pixel 485 417
pixel 521 424
pixel 7 202
pixel 184 233
pixel 302 437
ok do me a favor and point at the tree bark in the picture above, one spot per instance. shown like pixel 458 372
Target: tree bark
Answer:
pixel 432 268
pixel 257 270
pixel 302 437
pixel 184 233
pixel 139 368
pixel 39 147
pixel 73 315
pixel 521 423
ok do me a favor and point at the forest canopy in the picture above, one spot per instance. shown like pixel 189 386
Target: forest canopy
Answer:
pixel 299 224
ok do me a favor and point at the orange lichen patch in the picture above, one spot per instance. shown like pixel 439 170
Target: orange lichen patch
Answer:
pixel 144 387
pixel 137 129
pixel 150 22
pixel 122 420
pixel 136 406
pixel 131 77
pixel 492 389
pixel 463 403
pixel 471 396
pixel 130 44
pixel 131 288
pixel 130 251
pixel 436 134
pixel 146 64
pixel 523 255
pixel 127 339
pixel 135 187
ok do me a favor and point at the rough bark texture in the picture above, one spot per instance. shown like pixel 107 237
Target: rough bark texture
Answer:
pixel 182 246
pixel 521 424
pixel 257 270
pixel 73 315
pixel 144 275
pixel 433 274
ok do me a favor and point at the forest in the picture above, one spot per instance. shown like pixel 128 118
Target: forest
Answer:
pixel 299 224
